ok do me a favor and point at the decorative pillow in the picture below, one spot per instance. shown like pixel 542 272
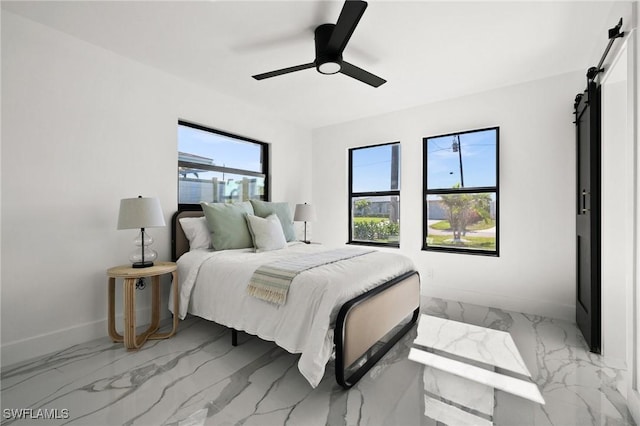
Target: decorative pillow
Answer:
pixel 282 210
pixel 266 233
pixel 227 225
pixel 197 232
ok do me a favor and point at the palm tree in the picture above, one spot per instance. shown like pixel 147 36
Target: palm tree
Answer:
pixel 461 208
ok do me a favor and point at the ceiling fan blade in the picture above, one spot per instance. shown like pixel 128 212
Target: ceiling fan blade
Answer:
pixel 362 75
pixel 347 21
pixel 284 71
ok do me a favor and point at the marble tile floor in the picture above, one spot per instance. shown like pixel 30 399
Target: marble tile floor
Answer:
pixel 476 353
pixel 197 378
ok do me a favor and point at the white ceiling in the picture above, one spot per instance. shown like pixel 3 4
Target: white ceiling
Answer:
pixel 428 51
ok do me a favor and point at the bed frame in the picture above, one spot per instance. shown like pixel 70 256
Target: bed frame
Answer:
pixel 359 325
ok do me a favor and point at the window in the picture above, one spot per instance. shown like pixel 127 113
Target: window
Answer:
pixel 218 167
pixel 461 192
pixel 374 195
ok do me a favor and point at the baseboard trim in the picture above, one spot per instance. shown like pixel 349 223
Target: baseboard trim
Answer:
pixel 43 344
pixel 529 306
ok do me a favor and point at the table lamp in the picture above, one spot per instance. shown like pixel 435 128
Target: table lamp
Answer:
pixel 141 213
pixel 304 213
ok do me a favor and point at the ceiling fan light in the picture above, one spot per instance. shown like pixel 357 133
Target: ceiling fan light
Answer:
pixel 329 68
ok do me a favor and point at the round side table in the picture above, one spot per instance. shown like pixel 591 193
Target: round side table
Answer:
pixel 130 277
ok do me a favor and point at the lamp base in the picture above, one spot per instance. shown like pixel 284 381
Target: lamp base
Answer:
pixel 142 264
pixel 306 241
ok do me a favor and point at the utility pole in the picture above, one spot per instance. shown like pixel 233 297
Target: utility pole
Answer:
pixel 456 146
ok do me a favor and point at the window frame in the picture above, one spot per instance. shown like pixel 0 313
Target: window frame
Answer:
pixel 264 152
pixel 464 190
pixel 353 195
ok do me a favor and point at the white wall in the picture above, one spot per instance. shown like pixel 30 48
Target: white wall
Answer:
pixel 535 272
pixel 83 128
pixel 622 268
pixel 633 299
pixel 617 214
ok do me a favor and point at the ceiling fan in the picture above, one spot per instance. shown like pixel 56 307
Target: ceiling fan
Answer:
pixel 331 40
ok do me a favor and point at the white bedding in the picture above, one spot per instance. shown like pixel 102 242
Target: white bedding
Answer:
pixel 213 286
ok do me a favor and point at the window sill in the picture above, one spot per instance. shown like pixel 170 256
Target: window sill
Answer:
pixel 461 251
pixel 373 244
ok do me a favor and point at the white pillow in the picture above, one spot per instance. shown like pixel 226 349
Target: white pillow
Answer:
pixel 266 233
pixel 197 232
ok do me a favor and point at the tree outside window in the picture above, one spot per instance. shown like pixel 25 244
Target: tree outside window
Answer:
pixel 461 192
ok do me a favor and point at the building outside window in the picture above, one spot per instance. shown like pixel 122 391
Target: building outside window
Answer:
pixel 219 167
pixel 461 192
pixel 374 195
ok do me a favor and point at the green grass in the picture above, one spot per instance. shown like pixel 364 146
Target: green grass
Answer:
pixel 360 219
pixel 444 225
pixel 481 243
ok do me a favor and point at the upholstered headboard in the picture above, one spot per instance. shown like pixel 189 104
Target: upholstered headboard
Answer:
pixel 179 242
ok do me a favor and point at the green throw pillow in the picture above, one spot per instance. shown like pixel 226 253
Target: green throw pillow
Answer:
pixel 227 225
pixel 282 210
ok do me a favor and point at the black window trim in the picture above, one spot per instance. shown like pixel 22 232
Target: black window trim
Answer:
pixel 466 190
pixel 395 192
pixel 265 163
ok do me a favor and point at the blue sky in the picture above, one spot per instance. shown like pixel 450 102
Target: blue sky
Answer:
pixel 372 166
pixel 224 150
pixel 372 169
pixel 478 160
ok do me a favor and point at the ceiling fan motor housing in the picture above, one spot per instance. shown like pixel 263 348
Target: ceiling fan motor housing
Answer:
pixel 327 61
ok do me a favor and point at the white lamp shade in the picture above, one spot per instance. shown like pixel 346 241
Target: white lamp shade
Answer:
pixel 140 213
pixel 304 213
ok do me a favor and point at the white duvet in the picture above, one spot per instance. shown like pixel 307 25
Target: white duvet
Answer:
pixel 213 286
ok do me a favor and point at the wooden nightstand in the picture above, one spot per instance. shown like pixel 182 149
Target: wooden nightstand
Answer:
pixel 131 276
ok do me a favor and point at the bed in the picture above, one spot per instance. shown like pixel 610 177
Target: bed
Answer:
pixel 333 309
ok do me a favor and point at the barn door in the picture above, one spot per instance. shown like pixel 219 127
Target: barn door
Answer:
pixel 588 215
